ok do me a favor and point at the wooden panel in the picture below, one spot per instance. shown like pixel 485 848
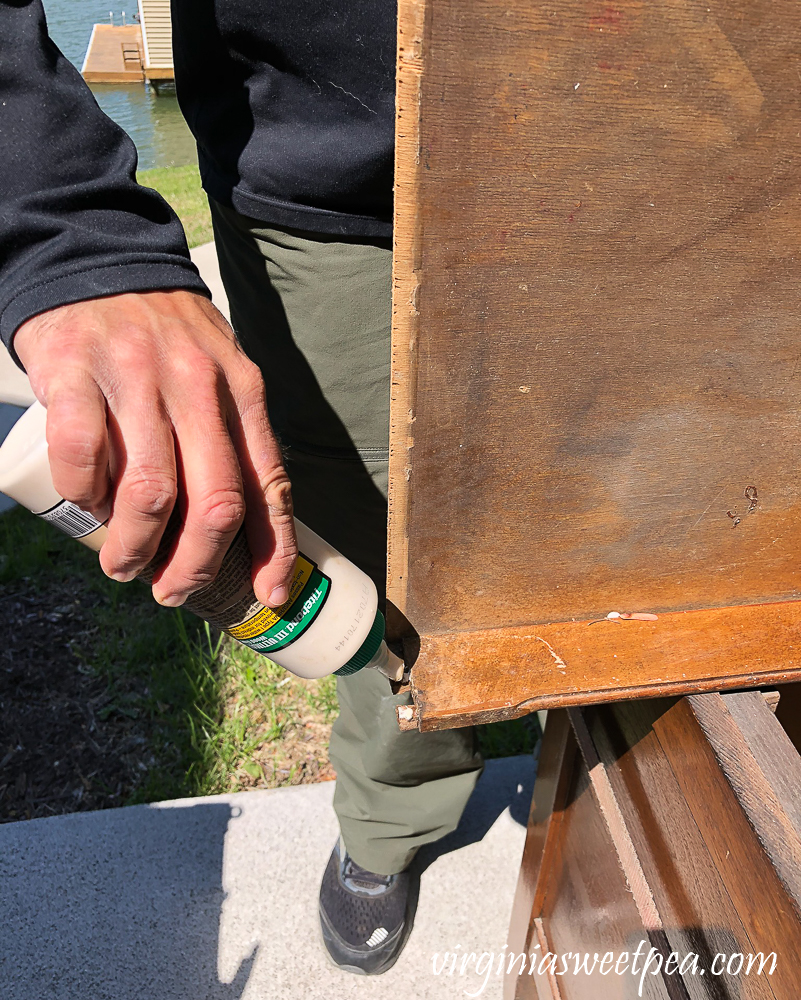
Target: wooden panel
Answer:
pixel 772 750
pixel 596 345
pixel 680 829
pixel 473 677
pixel 752 841
pixel 586 903
pixel 738 820
pixel 694 907
pixel 114 54
pixel 548 803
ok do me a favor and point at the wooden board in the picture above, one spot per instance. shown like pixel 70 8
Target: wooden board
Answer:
pixel 467 678
pixel 596 352
pixel 675 823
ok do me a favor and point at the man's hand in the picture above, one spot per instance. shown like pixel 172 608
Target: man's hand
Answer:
pixel 154 387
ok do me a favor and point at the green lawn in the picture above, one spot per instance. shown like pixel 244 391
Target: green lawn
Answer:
pixel 180 186
pixel 205 714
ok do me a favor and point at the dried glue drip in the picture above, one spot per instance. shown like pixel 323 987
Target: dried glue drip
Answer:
pixel 628 616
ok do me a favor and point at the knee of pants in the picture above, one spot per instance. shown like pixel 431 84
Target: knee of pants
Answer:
pixel 366 738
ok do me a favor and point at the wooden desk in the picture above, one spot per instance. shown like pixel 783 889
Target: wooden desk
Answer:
pixel 597 363
pixel 596 394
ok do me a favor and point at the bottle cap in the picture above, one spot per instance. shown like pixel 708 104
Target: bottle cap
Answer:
pixel 367 650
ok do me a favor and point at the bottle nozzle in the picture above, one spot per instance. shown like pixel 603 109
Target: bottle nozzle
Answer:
pixel 390 665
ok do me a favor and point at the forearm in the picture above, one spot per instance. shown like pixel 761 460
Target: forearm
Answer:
pixel 74 225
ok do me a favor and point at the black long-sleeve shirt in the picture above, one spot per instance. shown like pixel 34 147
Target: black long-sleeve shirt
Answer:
pixel 292 106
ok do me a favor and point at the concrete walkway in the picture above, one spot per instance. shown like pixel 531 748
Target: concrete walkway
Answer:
pixel 215 899
pixel 205 260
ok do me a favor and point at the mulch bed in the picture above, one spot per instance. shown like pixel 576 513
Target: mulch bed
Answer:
pixel 61 750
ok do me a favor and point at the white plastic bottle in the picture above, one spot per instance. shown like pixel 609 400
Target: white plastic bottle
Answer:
pixel 330 624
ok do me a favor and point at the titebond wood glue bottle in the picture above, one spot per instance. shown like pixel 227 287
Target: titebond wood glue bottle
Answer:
pixel 330 624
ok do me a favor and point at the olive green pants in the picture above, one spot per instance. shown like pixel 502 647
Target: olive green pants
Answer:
pixel 313 311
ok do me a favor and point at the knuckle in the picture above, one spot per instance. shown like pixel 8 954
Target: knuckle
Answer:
pixel 247 373
pixel 196 367
pixel 74 444
pixel 130 351
pixel 130 559
pixel 129 552
pixel 285 560
pixel 189 581
pixel 251 397
pixel 222 512
pixel 197 578
pixel 152 494
pixel 278 494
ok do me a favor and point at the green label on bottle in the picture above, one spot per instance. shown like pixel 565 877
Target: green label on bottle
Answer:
pixel 271 629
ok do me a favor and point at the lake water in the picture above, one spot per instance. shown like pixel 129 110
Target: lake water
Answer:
pixel 152 120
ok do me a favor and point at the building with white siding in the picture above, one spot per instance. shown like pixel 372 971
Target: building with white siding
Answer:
pixel 154 17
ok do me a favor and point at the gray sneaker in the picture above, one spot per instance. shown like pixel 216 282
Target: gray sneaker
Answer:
pixel 365 917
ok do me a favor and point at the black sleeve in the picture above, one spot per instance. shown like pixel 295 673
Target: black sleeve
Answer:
pixel 74 224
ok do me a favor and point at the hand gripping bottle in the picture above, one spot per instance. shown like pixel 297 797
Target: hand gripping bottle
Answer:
pixel 330 623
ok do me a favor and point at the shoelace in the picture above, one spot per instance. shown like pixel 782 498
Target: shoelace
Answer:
pixel 360 878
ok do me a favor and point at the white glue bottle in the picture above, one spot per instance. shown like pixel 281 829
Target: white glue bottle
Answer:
pixel 330 623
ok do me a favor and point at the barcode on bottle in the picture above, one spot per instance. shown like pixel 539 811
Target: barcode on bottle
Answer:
pixel 70 519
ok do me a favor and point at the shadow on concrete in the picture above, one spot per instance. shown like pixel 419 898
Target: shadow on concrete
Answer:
pixel 507 783
pixel 96 906
pixel 128 903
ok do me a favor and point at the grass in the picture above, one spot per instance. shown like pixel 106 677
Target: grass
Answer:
pixel 211 715
pixel 180 186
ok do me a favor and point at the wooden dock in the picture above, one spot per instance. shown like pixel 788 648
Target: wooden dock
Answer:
pixel 114 55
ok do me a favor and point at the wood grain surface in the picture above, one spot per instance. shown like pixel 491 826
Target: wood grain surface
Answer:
pixel 752 841
pixel 596 361
pixel 582 901
pixel 696 912
pixel 474 677
pixel 673 822
pixel 548 803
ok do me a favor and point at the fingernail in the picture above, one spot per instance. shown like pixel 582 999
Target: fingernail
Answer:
pixel 123 576
pixel 279 596
pixel 171 600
